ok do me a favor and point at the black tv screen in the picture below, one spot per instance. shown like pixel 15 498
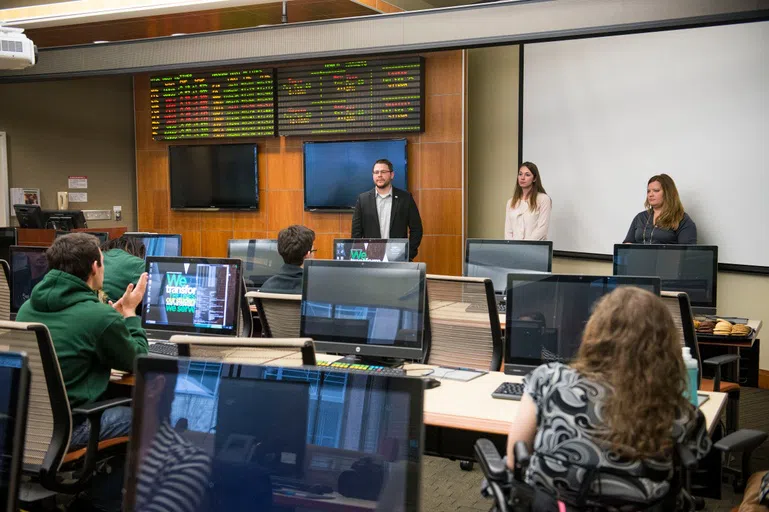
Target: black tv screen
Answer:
pixel 214 176
pixel 335 173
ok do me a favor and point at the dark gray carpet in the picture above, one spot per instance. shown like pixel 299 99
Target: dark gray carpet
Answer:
pixel 446 487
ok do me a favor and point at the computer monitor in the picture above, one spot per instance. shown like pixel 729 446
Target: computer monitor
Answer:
pixel 103 236
pixel 546 314
pixel 29 266
pixel 364 308
pixel 371 249
pixel 247 437
pixel 192 295
pixel 14 397
pixel 65 220
pixel 497 258
pixel 260 259
pixel 29 216
pixel 682 268
pixel 7 239
pixel 160 245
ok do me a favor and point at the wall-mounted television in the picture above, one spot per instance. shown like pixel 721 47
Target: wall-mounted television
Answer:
pixel 222 176
pixel 335 173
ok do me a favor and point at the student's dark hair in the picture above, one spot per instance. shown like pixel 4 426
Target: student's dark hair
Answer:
pixel 132 245
pixel 74 254
pixel 294 242
pixel 385 161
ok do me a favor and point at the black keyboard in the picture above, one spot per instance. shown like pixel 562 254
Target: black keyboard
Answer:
pixel 164 349
pixel 509 391
pixel 365 368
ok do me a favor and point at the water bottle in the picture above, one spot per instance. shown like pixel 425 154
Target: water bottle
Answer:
pixel 691 372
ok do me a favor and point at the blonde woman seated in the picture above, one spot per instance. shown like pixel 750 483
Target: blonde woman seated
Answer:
pixel 527 213
pixel 619 407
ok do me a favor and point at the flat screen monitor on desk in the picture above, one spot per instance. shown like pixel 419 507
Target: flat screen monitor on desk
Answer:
pixel 682 268
pixel 546 315
pixel 192 295
pixel 364 308
pixel 29 266
pixel 160 245
pixel 7 239
pixel 371 249
pixel 29 216
pixel 497 258
pixel 260 258
pixel 268 438
pixel 65 220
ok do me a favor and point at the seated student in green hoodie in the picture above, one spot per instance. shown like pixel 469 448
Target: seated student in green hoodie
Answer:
pixel 123 264
pixel 90 337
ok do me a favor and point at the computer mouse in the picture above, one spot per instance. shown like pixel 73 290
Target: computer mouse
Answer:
pixel 320 489
pixel 431 383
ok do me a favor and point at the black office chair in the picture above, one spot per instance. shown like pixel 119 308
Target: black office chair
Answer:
pixel 246 326
pixel 510 492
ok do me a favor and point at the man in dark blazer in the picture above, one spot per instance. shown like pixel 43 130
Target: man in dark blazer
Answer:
pixel 386 211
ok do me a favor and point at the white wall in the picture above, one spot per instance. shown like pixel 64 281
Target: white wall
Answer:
pixel 602 115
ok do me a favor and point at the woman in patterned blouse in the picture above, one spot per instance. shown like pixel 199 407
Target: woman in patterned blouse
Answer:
pixel 606 425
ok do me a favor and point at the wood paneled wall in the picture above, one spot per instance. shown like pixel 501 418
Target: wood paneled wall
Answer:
pixel 435 178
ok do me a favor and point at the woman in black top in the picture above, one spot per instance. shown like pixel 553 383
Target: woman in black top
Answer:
pixel 607 423
pixel 664 220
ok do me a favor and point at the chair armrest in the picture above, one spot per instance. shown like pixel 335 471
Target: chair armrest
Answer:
pixel 741 440
pixel 721 360
pixel 99 407
pixel 93 413
pixel 718 362
pixel 491 463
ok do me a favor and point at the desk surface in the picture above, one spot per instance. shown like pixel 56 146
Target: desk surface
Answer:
pixel 469 405
pixel 456 404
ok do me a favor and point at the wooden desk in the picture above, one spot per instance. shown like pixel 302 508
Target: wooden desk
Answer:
pixel 470 406
pixel 456 413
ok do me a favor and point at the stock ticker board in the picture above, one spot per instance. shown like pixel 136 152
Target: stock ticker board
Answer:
pixel 356 96
pixel 217 104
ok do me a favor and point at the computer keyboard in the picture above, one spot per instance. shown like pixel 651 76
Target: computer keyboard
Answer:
pixel 365 368
pixel 479 307
pixel 164 349
pixel 509 391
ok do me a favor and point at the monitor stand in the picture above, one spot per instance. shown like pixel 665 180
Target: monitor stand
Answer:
pixel 389 362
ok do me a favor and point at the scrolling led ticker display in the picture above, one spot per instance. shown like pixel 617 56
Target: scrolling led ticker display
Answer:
pixel 337 98
pixel 217 104
pixel 359 96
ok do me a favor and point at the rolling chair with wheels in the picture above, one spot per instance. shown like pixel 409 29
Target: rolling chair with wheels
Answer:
pixel 510 491
pixel 680 308
pixel 474 342
pixel 5 291
pixel 48 459
pixel 279 313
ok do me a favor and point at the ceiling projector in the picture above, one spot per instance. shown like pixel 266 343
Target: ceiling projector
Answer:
pixel 17 51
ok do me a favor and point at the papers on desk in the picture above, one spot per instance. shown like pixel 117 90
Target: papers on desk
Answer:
pixel 460 374
pixel 701 399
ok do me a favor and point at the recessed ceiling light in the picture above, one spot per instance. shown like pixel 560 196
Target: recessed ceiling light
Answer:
pixel 100 42
pixel 179 34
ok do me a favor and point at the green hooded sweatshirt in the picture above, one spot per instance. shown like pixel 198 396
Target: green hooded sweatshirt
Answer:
pixel 90 338
pixel 120 269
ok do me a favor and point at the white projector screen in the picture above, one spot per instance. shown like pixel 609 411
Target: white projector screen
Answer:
pixel 603 115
